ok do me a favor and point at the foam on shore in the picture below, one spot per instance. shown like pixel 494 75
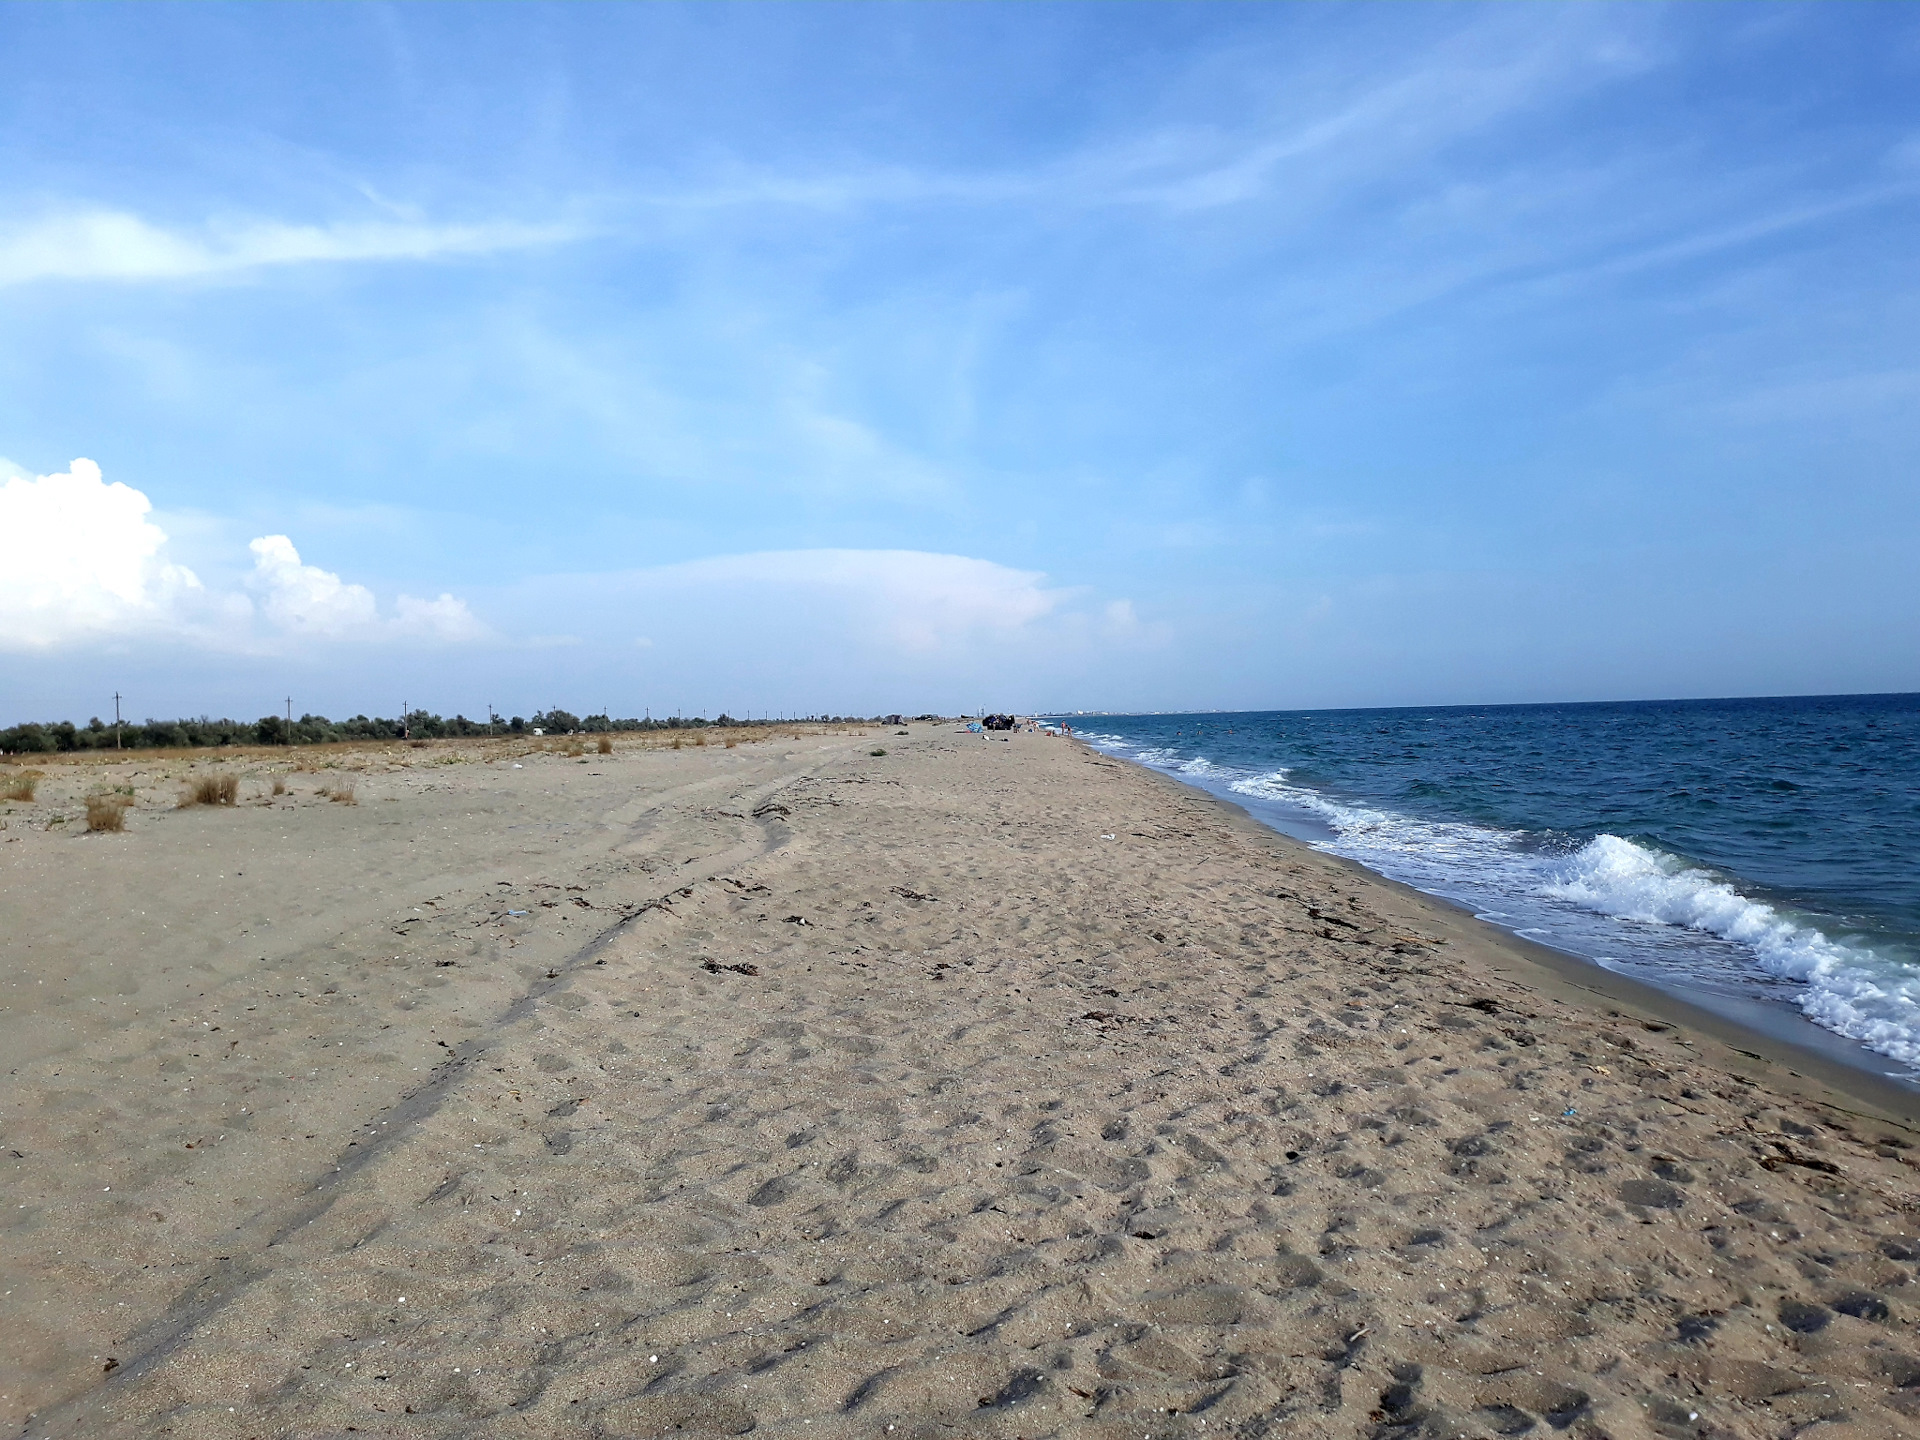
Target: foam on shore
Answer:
pixel 1849 989
pixel 1528 882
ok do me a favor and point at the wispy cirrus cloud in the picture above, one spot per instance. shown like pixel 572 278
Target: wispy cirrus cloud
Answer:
pixel 103 244
pixel 1248 125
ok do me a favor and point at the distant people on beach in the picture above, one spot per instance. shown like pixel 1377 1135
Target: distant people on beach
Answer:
pixel 1030 726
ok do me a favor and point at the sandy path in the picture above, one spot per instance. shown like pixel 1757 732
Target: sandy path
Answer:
pixel 1051 1100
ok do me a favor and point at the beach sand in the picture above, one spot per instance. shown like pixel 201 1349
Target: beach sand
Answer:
pixel 981 1088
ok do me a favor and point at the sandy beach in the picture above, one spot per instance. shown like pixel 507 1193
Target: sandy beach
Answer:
pixel 980 1087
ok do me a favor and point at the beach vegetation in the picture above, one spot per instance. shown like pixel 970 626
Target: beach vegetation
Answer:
pixel 204 732
pixel 107 813
pixel 21 786
pixel 279 786
pixel 605 745
pixel 341 791
pixel 876 751
pixel 216 789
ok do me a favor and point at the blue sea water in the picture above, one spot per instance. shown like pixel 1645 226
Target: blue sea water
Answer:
pixel 1762 852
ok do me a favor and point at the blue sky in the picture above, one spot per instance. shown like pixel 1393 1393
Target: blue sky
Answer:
pixel 859 357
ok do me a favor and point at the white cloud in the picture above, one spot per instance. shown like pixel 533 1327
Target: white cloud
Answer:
pixel 799 629
pixel 910 600
pixel 113 245
pixel 304 598
pixel 442 619
pixel 82 559
pixel 85 564
pixel 817 629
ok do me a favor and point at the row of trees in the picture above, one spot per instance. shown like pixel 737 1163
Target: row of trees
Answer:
pixel 64 735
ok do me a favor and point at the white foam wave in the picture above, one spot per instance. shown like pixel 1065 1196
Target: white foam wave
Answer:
pixel 1160 757
pixel 1435 848
pixel 1849 990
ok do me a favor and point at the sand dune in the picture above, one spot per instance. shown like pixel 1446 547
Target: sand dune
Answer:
pixel 981 1087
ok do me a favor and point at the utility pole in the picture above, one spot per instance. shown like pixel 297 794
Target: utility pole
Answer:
pixel 406 728
pixel 289 719
pixel 116 719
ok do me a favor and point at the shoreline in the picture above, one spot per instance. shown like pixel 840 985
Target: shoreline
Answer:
pixel 1637 839
pixel 1756 1054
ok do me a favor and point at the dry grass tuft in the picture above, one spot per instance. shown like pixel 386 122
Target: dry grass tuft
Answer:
pixel 575 749
pixel 107 812
pixel 211 790
pixel 21 787
pixel 731 742
pixel 279 787
pixel 341 792
pixel 700 740
pixel 605 745
pixel 676 742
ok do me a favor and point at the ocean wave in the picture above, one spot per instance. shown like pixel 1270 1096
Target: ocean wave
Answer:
pixel 1436 847
pixel 1850 990
pixel 1163 758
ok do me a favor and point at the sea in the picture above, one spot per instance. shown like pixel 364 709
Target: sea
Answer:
pixel 1758 856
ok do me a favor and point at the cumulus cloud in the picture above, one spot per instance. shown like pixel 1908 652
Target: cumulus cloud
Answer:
pixel 86 564
pixel 821 629
pixel 443 619
pixel 113 245
pixel 913 600
pixel 83 559
pixel 305 599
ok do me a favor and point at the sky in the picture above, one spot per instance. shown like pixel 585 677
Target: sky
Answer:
pixel 858 358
